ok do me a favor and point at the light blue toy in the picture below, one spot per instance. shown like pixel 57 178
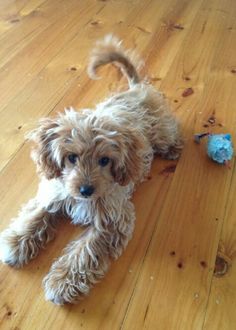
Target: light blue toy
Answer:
pixel 219 147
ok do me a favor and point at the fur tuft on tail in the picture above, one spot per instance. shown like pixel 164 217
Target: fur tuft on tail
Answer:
pixel 110 50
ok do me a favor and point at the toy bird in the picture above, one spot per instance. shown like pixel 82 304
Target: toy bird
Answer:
pixel 219 147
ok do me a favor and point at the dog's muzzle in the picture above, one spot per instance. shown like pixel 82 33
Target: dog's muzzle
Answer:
pixel 86 190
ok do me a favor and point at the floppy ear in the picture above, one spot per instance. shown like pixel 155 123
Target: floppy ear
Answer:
pixel 131 168
pixel 45 153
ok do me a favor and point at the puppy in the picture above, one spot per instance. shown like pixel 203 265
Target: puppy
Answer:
pixel 89 163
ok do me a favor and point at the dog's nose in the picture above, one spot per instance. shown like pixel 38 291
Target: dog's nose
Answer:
pixel 86 190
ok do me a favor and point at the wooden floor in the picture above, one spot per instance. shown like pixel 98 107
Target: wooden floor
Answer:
pixel 186 212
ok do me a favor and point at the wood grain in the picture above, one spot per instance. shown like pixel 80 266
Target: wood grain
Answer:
pixel 185 212
pixel 220 309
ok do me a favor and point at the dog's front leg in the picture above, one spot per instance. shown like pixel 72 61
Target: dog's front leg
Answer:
pixel 26 235
pixel 86 260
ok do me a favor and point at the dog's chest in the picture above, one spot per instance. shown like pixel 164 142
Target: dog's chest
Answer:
pixel 81 213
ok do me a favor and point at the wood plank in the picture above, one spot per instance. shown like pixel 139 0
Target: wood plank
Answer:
pixel 23 21
pixel 10 11
pixel 221 306
pixel 22 68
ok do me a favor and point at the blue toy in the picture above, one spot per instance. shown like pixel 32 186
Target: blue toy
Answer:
pixel 219 147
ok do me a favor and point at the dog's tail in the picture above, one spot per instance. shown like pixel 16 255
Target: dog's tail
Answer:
pixel 110 50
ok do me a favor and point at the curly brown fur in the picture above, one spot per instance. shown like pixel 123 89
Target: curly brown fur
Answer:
pixel 89 163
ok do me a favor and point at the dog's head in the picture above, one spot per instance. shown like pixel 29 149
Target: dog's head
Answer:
pixel 89 153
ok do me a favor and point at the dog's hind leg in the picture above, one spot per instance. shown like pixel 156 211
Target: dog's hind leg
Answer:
pixel 165 137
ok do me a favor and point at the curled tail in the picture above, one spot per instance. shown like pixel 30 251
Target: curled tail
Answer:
pixel 110 50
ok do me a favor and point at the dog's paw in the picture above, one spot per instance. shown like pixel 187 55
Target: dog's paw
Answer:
pixel 16 250
pixel 174 151
pixel 173 154
pixel 6 253
pixel 9 249
pixel 64 284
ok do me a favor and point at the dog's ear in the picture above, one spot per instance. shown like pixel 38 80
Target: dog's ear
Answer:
pixel 131 165
pixel 45 153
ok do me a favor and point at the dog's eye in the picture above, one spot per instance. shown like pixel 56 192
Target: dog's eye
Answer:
pixel 103 161
pixel 73 158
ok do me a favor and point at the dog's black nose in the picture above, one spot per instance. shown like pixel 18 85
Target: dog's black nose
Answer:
pixel 86 190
